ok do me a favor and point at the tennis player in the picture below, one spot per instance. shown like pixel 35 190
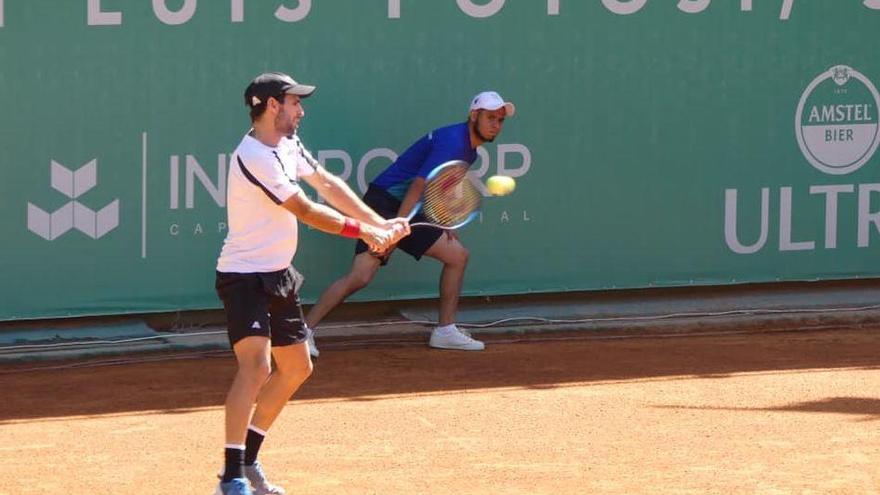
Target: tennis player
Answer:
pixel 255 280
pixel 396 191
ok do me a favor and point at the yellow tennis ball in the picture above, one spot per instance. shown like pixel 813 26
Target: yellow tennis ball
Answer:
pixel 500 185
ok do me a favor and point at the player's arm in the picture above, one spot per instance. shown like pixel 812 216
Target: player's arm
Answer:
pixel 441 152
pixel 339 194
pixel 412 196
pixel 328 220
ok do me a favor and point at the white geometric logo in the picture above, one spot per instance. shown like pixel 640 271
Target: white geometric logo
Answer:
pixel 74 214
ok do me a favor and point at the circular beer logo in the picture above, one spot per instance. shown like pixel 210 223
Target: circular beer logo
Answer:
pixel 836 121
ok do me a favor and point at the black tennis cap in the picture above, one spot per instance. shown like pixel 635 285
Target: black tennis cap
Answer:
pixel 274 85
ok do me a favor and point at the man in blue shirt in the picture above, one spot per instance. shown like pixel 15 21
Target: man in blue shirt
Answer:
pixel 396 191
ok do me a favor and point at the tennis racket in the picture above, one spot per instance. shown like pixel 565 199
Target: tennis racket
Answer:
pixel 449 200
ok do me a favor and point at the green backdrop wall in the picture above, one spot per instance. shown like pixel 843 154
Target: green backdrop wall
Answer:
pixel 657 143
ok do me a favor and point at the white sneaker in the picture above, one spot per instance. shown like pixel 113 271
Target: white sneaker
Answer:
pixel 259 484
pixel 254 479
pixel 313 349
pixel 454 339
pixel 236 486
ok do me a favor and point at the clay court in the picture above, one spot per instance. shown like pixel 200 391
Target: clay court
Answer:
pixel 575 412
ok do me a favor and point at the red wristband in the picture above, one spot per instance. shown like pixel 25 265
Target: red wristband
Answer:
pixel 352 228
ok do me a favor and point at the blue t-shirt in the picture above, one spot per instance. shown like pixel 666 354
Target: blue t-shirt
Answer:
pixel 438 146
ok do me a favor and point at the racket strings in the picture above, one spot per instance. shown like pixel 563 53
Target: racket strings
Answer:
pixel 450 198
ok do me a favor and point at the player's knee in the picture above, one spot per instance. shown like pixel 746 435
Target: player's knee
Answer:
pixel 459 257
pixel 307 370
pixel 255 371
pixel 294 374
pixel 359 280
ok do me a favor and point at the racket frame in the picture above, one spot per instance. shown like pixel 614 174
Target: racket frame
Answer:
pixel 434 173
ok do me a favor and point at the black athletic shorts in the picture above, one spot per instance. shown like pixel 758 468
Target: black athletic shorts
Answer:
pixel 264 305
pixel 415 244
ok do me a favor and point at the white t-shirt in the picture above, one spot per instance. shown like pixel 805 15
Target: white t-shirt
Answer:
pixel 262 234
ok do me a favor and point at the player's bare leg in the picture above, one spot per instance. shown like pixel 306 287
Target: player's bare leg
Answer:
pixel 454 256
pixel 254 367
pixel 292 368
pixel 363 269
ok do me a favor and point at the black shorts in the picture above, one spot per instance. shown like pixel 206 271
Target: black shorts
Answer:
pixel 415 244
pixel 263 305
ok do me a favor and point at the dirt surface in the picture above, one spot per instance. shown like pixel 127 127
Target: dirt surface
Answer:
pixel 757 413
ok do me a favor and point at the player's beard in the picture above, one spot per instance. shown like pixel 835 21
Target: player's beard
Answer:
pixel 475 127
pixel 284 124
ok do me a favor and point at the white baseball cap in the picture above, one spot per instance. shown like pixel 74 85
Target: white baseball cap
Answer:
pixel 490 100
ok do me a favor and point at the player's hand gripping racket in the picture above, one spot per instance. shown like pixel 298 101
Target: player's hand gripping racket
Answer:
pixel 449 200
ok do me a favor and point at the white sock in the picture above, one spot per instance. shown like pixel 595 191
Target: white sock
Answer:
pixel 261 432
